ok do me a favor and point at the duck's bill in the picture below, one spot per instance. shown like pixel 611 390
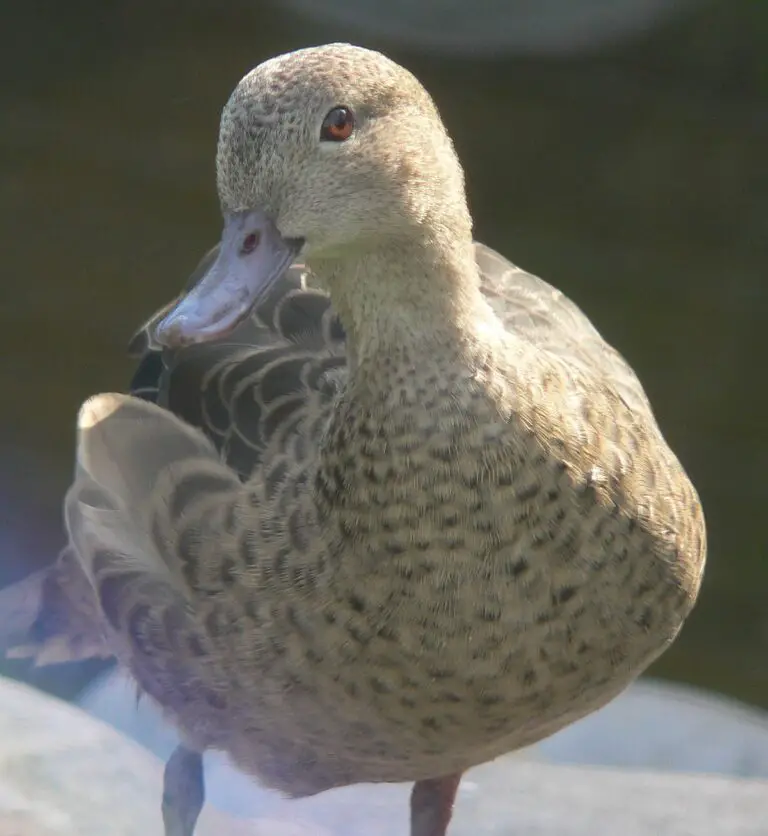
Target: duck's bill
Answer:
pixel 252 258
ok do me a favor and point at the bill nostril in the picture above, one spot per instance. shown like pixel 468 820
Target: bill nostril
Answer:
pixel 250 242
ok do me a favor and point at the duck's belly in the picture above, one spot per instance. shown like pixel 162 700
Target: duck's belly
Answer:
pixel 440 689
pixel 330 746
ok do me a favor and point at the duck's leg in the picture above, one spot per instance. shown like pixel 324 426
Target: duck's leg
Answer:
pixel 432 805
pixel 183 791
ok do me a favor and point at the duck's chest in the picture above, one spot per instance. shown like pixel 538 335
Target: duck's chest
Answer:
pixel 472 552
pixel 436 481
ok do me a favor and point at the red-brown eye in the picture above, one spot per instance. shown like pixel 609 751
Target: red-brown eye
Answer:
pixel 338 125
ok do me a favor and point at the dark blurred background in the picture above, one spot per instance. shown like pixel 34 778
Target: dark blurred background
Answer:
pixel 619 149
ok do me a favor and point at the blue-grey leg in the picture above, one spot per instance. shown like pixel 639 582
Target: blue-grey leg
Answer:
pixel 183 791
pixel 432 805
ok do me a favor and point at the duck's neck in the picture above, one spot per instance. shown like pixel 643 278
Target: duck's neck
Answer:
pixel 404 298
pixel 417 328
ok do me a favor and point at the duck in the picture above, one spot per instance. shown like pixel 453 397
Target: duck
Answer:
pixel 378 506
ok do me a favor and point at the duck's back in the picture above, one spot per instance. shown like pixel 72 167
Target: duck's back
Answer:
pixel 249 391
pixel 539 313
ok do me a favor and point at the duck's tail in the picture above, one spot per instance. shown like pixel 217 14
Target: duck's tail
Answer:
pixel 121 582
pixel 50 616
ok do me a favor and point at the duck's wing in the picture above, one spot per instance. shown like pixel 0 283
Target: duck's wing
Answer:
pixel 155 514
pixel 251 388
pixel 144 513
pixel 541 314
pixel 158 472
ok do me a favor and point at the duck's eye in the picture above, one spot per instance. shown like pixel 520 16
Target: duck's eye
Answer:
pixel 338 125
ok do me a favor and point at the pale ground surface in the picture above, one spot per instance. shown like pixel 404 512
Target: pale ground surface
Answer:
pixel 651 726
pixel 63 773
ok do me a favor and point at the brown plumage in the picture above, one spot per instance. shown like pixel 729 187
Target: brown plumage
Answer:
pixel 383 540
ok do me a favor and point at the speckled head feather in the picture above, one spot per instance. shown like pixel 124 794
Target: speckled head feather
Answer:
pixel 398 172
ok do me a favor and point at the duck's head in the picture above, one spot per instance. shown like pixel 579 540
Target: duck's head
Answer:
pixel 324 153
